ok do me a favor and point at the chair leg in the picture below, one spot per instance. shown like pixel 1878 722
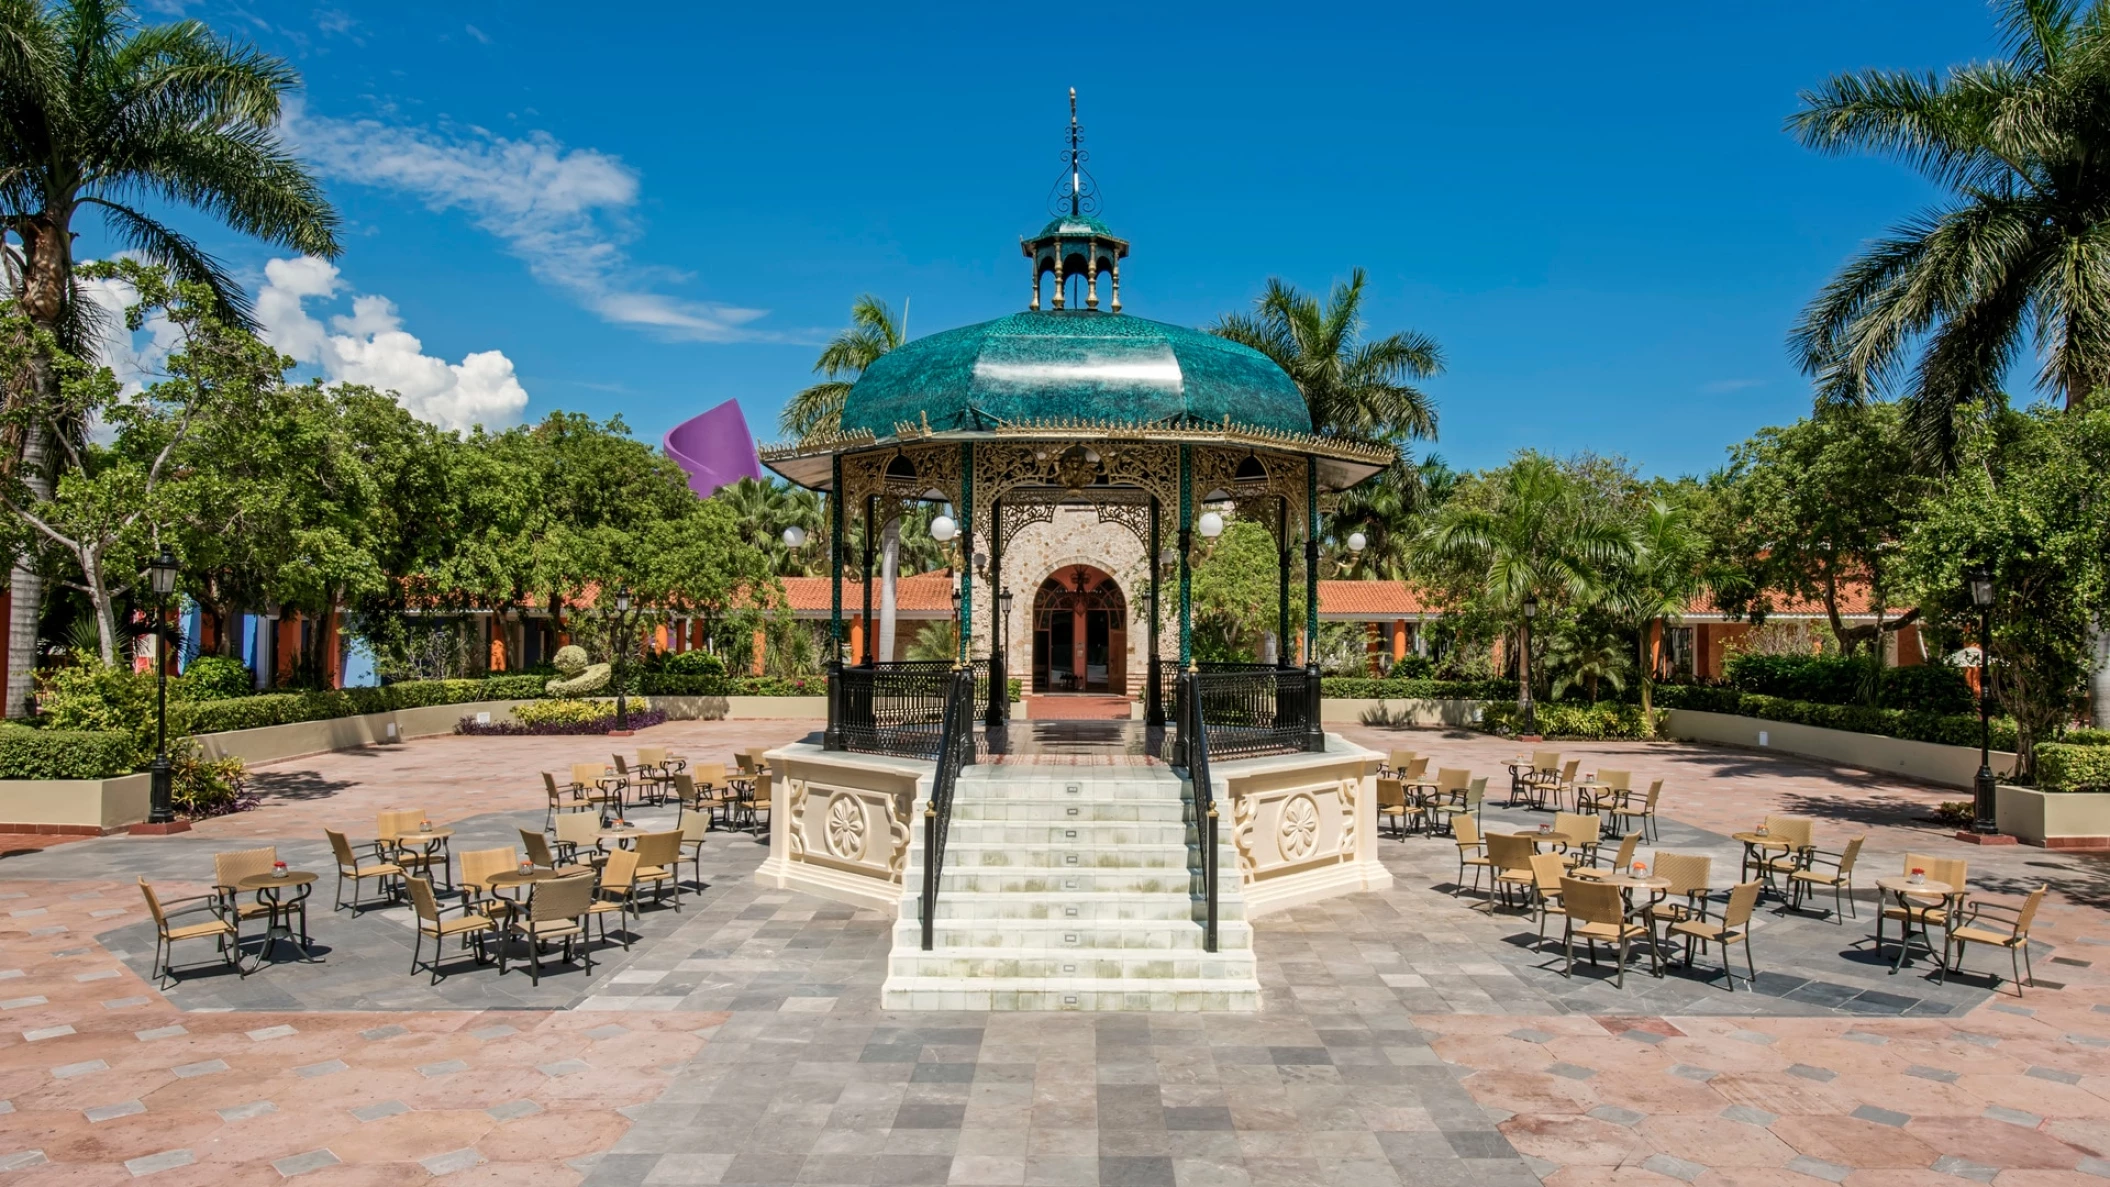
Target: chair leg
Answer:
pixel 1619 971
pixel 1750 965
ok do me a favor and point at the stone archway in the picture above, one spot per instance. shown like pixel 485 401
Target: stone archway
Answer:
pixel 1080 633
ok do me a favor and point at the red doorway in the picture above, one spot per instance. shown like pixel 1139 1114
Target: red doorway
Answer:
pixel 1080 634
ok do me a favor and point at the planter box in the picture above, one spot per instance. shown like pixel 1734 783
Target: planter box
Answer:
pixel 74 807
pixel 270 743
pixel 2054 819
pixel 742 708
pixel 1949 766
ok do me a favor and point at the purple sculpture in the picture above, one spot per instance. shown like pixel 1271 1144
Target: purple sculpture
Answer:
pixel 715 449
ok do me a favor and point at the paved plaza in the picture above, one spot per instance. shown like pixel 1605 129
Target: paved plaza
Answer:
pixel 1409 1036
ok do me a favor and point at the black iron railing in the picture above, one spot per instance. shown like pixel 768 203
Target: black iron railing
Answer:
pixel 1195 735
pixel 955 753
pixel 892 708
pixel 1253 709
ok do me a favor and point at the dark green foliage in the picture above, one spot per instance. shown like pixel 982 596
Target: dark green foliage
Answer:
pixel 1412 667
pixel 1593 723
pixel 214 678
pixel 27 753
pixel 693 663
pixel 1371 689
pixel 1844 680
pixel 1946 729
pixel 2062 766
pixel 243 713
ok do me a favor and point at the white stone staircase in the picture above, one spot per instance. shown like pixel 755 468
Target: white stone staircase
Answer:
pixel 1069 888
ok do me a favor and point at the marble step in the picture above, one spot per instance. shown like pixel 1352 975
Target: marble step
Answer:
pixel 1087 790
pixel 1057 810
pixel 1177 880
pixel 1068 936
pixel 1077 833
pixel 1080 906
pixel 945 993
pixel 1089 964
pixel 962 853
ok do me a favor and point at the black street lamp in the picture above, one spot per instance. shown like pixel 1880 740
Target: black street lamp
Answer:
pixel 1000 663
pixel 622 658
pixel 1983 793
pixel 162 574
pixel 1531 719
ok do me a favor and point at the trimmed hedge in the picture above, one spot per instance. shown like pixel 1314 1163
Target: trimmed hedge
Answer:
pixel 1945 729
pixel 1837 680
pixel 284 708
pixel 637 719
pixel 671 684
pixel 1602 722
pixel 2062 766
pixel 1368 688
pixel 27 753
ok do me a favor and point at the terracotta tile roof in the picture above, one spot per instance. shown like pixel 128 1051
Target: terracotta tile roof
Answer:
pixel 1376 599
pixel 918 593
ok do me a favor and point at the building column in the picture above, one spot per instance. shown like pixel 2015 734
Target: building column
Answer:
pixel 966 510
pixel 1399 639
pixel 999 673
pixel 1186 546
pixel 1282 581
pixel 761 647
pixel 863 652
pixel 1153 686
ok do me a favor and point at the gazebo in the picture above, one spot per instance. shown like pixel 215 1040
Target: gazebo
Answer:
pixel 1071 402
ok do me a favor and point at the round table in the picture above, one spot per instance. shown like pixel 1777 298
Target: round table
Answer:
pixel 270 890
pixel 1758 847
pixel 620 835
pixel 428 840
pixel 1658 887
pixel 1549 837
pixel 1518 768
pixel 1905 889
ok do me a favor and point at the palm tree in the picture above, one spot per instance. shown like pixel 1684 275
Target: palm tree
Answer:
pixel 819 409
pixel 1659 581
pixel 98 110
pixel 1540 538
pixel 2020 251
pixel 1390 517
pixel 1588 658
pixel 1353 387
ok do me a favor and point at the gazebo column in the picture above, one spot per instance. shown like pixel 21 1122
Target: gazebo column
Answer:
pixel 1186 546
pixel 871 509
pixel 1282 583
pixel 1315 738
pixel 999 666
pixel 832 739
pixel 966 509
pixel 1153 684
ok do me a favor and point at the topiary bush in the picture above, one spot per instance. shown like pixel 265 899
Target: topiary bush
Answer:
pixel 1412 667
pixel 2062 766
pixel 545 712
pixel 27 753
pixel 213 678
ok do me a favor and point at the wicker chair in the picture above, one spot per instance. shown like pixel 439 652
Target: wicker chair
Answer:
pixel 472 925
pixel 1559 785
pixel 591 779
pixel 1929 911
pixel 2015 939
pixel 556 910
pixel 1840 878
pixel 536 846
pixel 1415 775
pixel 1609 788
pixel 229 869
pixel 1446 813
pixel 579 840
pixel 1688 874
pixel 1395 764
pixel 658 862
pixel 713 792
pixel 351 865
pixel 1392 805
pixel 1545 765
pixel 389 846
pixel 616 894
pixel 477 867
pixel 754 802
pixel 1735 925
pixel 1597 913
pixel 1511 857
pixel 567 798
pixel 656 768
pixel 1547 871
pixel 1625 813
pixel 167 936
pixel 694 829
pixel 1799 832
pixel 1622 860
pixel 1472 853
pixel 1582 830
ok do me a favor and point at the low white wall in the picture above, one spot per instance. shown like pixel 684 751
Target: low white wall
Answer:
pixel 2054 819
pixel 840 823
pixel 1304 825
pixel 1950 766
pixel 270 743
pixel 83 806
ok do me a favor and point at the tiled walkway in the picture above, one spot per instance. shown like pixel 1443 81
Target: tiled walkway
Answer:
pixel 1406 1037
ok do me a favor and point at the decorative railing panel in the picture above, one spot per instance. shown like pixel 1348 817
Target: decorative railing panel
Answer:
pixel 891 708
pixel 1254 709
pixel 955 753
pixel 1203 793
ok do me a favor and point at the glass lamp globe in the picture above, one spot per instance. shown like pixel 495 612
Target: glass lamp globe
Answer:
pixel 1357 541
pixel 794 536
pixel 1211 525
pixel 943 528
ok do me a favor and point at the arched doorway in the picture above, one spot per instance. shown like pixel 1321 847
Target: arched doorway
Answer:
pixel 1080 633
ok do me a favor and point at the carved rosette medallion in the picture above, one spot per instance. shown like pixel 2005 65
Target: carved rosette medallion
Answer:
pixel 845 827
pixel 1298 834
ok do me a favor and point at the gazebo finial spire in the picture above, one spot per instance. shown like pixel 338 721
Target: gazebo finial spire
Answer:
pixel 1076 170
pixel 1076 242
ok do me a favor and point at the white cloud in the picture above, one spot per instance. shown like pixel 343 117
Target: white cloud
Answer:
pixel 563 211
pixel 370 346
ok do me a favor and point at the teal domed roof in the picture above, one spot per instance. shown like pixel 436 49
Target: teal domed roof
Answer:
pixel 1068 364
pixel 1075 224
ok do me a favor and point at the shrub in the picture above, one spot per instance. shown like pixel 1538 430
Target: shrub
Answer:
pixel 1945 729
pixel 2062 766
pixel 1605 721
pixel 639 719
pixel 694 663
pixel 264 709
pixel 1840 680
pixel 2085 736
pixel 200 787
pixel 104 699
pixel 661 684
pixel 1412 667
pixel 1955 814
pixel 570 711
pixel 1370 689
pixel 213 678
pixel 27 753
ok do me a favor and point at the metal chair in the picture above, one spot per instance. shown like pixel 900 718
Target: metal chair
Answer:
pixel 1466 805
pixel 556 911
pixel 1840 879
pixel 1511 857
pixel 1953 870
pixel 229 869
pixel 2016 939
pixel 1735 925
pixel 1472 853
pixel 472 926
pixel 1392 804
pixel 1646 814
pixel 658 861
pixel 1582 830
pixel 694 826
pixel 167 935
pixel 616 894
pixel 1621 861
pixel 351 865
pixel 536 846
pixel 1547 870
pixel 579 840
pixel 1597 913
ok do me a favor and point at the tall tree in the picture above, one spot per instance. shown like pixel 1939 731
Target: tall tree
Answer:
pixel 99 111
pixel 873 332
pixel 1659 581
pixel 2019 253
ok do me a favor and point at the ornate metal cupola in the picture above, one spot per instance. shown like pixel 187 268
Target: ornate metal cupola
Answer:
pixel 1075 241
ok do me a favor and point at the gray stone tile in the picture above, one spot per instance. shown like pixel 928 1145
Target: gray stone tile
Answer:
pixel 2055 1075
pixel 113 1112
pixel 1676 1168
pixel 300 1164
pixel 1749 1115
pixel 255 1108
pixel 1817 1168
pixel 380 1109
pixel 167 1160
pixel 513 1110
pixel 1881 1116
pixel 2013 1116
pixel 1136 1172
pixel 1617 1115
pixel 1819 1074
pixel 451 1161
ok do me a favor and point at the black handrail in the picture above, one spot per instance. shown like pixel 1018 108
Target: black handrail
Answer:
pixel 955 752
pixel 1195 738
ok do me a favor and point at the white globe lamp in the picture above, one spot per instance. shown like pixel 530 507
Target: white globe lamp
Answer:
pixel 943 528
pixel 1211 525
pixel 794 536
pixel 1357 541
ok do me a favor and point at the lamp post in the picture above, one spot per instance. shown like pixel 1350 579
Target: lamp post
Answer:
pixel 1531 719
pixel 162 571
pixel 622 659
pixel 1982 788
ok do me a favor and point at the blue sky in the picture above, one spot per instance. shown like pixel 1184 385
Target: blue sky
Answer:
pixel 1592 207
